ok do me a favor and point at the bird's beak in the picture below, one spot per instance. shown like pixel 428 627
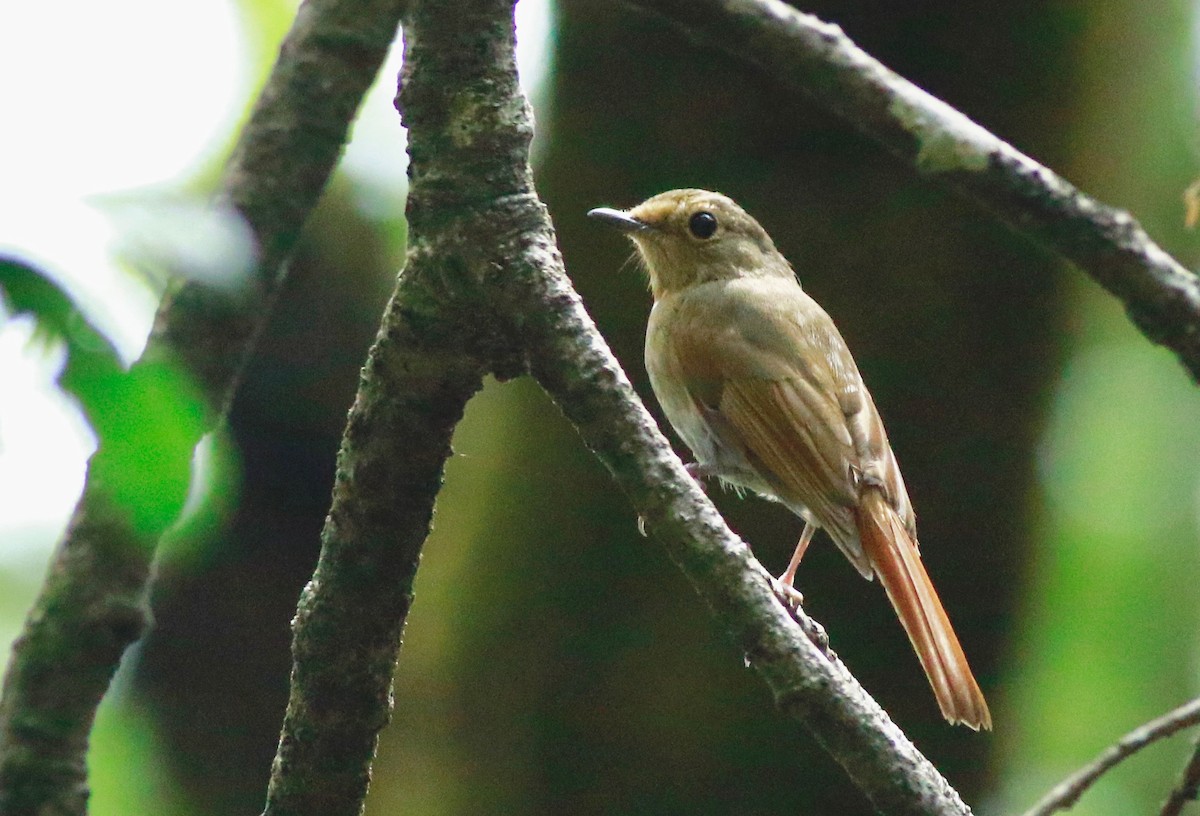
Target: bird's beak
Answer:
pixel 616 218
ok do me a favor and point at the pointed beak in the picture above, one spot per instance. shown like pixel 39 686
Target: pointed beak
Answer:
pixel 616 218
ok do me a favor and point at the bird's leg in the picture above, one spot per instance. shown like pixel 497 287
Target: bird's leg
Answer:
pixel 785 583
pixel 789 574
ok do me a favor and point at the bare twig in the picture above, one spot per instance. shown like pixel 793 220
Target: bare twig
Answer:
pixel 92 605
pixel 1188 789
pixel 1067 793
pixel 485 282
pixel 801 52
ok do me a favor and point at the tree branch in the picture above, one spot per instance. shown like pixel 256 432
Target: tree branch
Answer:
pixel 485 281
pixel 351 616
pixel 1188 789
pixel 92 605
pixel 803 53
pixel 468 146
pixel 1067 793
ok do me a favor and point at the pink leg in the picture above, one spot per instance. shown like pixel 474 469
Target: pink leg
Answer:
pixel 789 575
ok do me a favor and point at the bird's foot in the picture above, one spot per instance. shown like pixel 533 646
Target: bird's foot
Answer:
pixel 793 601
pixel 791 598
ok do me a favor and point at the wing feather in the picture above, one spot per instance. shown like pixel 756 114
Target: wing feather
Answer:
pixel 802 456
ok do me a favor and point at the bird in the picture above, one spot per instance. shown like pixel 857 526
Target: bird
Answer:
pixel 758 382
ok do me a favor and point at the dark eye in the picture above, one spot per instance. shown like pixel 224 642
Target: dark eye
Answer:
pixel 703 224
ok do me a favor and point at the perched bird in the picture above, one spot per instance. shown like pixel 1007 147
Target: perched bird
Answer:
pixel 758 382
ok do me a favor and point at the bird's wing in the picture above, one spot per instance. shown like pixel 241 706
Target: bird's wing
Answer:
pixel 777 373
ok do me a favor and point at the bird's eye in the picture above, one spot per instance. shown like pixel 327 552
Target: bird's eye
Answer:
pixel 703 224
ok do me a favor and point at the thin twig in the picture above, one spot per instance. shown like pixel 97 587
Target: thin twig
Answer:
pixel 1188 789
pixel 92 605
pixel 801 52
pixel 1067 793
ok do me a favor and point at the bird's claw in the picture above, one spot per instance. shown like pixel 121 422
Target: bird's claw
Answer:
pixel 791 598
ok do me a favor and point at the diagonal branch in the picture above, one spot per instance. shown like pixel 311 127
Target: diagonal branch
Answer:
pixel 1067 793
pixel 803 53
pixel 92 605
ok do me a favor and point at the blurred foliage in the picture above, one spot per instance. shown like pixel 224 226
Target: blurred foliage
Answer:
pixel 146 420
pixel 554 660
pixel 92 365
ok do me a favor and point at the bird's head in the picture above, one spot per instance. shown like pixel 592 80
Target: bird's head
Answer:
pixel 686 237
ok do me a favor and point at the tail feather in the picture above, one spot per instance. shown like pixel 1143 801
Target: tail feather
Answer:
pixel 894 556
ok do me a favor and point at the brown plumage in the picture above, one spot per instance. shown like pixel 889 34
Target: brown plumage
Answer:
pixel 758 382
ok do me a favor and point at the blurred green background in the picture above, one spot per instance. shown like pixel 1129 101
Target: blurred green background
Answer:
pixel 555 661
